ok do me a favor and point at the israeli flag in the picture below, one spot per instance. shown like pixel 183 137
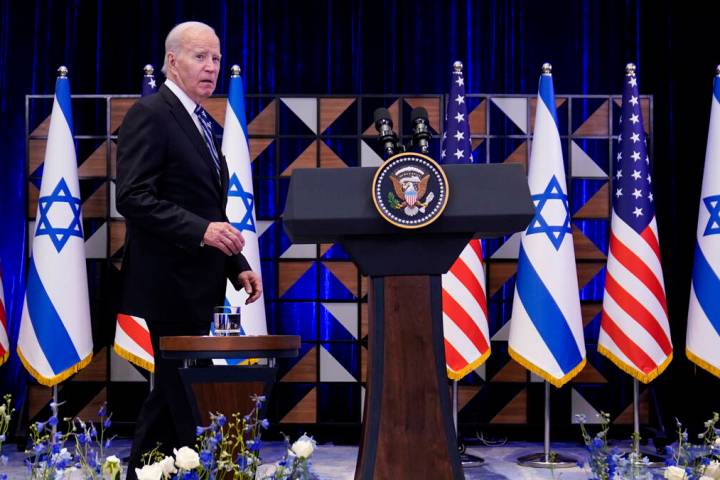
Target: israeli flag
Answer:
pixel 55 339
pixel 703 330
pixel 546 330
pixel 241 202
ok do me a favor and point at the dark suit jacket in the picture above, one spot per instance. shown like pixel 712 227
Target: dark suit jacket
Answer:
pixel 168 191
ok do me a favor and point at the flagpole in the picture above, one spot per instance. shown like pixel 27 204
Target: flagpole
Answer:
pixel 55 402
pixel 467 460
pixel 636 416
pixel 546 459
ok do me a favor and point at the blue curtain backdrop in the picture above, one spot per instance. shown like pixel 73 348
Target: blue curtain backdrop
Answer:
pixel 341 47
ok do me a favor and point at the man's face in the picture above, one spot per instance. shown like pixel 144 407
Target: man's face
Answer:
pixel 197 64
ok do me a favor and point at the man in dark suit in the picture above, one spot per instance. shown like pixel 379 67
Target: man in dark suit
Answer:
pixel 180 249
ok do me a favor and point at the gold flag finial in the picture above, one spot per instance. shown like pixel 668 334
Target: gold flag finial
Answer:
pixel 546 69
pixel 149 70
pixel 630 69
pixel 62 71
pixel 235 71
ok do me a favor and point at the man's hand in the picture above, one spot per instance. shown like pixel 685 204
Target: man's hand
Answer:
pixel 224 237
pixel 252 283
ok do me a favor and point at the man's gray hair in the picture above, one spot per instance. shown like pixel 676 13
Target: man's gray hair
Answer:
pixel 174 39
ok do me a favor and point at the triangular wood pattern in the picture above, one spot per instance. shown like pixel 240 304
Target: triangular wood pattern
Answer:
pixel 96 164
pixel 331 109
pixel 515 411
pixel 305 370
pixel 519 155
pixel 289 273
pixel 478 119
pixel 585 249
pixel 118 109
pixel 304 411
pixel 328 158
pixel 598 206
pixel 596 123
pixel 264 123
pixel 307 159
pixel 95 206
pixel 498 274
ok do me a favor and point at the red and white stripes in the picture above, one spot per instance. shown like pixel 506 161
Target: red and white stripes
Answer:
pixel 634 331
pixel 467 340
pixel 132 341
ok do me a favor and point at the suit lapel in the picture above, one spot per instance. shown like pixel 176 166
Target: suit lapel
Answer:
pixel 191 131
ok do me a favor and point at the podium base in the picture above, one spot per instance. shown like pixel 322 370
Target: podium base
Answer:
pixel 539 460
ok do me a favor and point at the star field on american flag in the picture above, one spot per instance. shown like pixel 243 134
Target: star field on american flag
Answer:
pixel 456 146
pixel 633 198
pixel 148 85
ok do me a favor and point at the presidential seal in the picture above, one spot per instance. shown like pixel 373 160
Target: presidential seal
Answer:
pixel 410 190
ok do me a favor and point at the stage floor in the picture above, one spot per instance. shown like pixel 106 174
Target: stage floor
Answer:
pixel 333 462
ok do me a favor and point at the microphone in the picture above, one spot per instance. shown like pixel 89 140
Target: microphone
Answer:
pixel 384 126
pixel 421 132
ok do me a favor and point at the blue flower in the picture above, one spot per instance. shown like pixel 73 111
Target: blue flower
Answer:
pixel 597 443
pixel 264 423
pixel 83 439
pixel 206 459
pixel 200 430
pixel 3 460
pixel 108 442
pixel 107 423
pixel 40 426
pixel 102 412
pixel 254 445
pixel 52 421
pixel 92 432
pixel 221 420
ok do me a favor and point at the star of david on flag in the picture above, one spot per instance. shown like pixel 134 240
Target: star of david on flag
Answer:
pixel 546 330
pixel 555 221
pixel 56 224
pixel 703 329
pixel 55 338
pixel 235 190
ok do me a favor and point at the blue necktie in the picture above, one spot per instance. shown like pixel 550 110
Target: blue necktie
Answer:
pixel 206 128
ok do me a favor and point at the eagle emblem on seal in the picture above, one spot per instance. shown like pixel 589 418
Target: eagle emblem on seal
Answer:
pixel 410 186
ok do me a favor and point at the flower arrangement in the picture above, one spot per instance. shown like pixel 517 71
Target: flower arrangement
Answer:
pixel 606 463
pixel 690 461
pixel 227 450
pixel 230 449
pixel 6 412
pixel 686 461
pixel 78 453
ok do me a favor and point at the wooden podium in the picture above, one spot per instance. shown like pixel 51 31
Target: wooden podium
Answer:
pixel 224 388
pixel 407 427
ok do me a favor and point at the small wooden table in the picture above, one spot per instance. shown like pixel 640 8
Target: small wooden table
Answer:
pixel 227 388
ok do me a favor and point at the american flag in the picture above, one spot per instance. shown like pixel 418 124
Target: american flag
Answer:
pixel 148 83
pixel 132 336
pixel 634 330
pixel 464 302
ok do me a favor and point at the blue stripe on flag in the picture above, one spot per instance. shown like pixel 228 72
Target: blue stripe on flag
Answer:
pixel 236 97
pixel 716 88
pixel 547 93
pixel 62 93
pixel 707 285
pixel 51 334
pixel 546 316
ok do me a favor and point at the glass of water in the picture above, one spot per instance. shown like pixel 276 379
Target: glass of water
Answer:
pixel 226 320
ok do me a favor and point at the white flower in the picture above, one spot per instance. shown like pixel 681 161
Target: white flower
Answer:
pixel 671 473
pixel 717 441
pixel 2 409
pixel 186 458
pixel 712 470
pixel 112 459
pixel 266 471
pixel 71 473
pixel 705 477
pixel 149 472
pixel 303 447
pixel 168 466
